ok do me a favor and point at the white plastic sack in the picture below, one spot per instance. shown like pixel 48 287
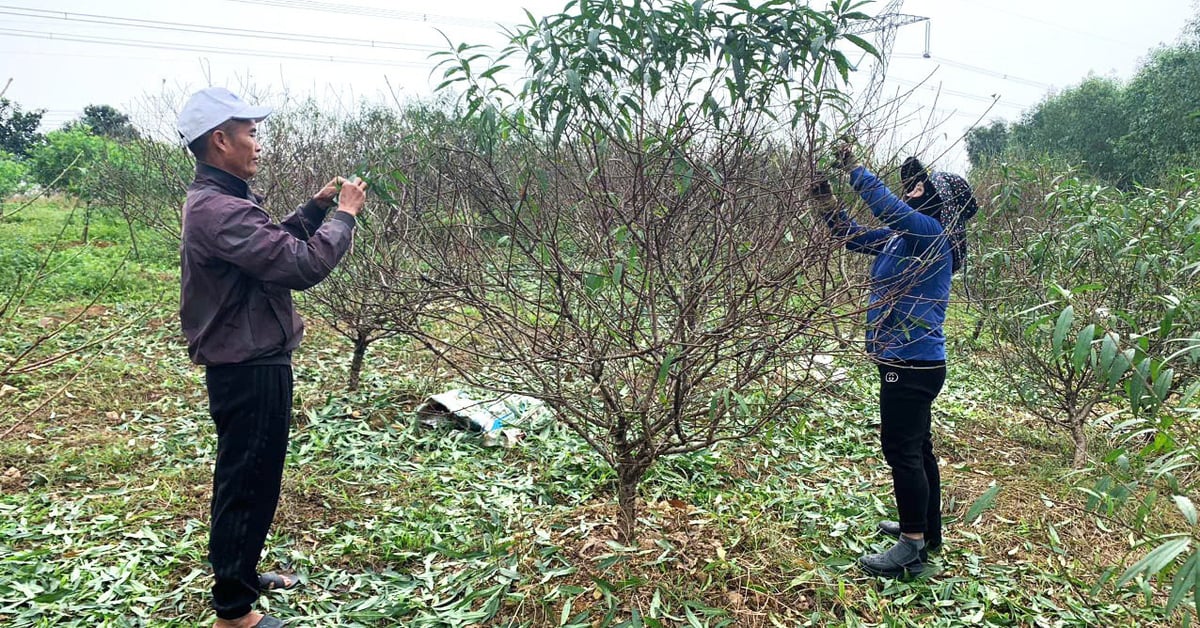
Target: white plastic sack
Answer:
pixel 460 410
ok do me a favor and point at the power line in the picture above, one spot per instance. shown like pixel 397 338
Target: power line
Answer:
pixel 136 43
pixel 109 20
pixel 80 55
pixel 353 9
pixel 1055 24
pixel 988 99
pixel 978 70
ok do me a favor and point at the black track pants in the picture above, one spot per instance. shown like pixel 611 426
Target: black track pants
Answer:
pixel 906 394
pixel 252 409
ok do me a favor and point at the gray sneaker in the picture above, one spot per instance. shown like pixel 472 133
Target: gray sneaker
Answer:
pixel 903 560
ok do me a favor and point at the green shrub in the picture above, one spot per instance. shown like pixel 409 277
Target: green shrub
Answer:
pixel 14 175
pixel 1090 291
pixel 65 161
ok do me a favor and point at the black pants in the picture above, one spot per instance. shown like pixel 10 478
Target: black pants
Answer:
pixel 252 409
pixel 906 394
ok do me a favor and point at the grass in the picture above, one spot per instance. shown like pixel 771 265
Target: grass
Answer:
pixel 51 232
pixel 104 493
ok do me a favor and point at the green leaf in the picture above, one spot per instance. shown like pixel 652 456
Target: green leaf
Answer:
pixel 1121 364
pixel 565 615
pixel 1185 581
pixel 1108 351
pixel 1162 384
pixel 668 360
pixel 1055 291
pixel 1065 319
pixel 593 282
pixel 843 64
pixel 1105 577
pixel 1191 393
pixel 743 409
pixel 1156 560
pixel 1083 346
pixel 985 501
pixel 1135 387
pixel 1167 554
pixel 1185 506
pixel 1168 321
pixel 493 71
pixel 1195 589
pixel 862 43
pixel 560 125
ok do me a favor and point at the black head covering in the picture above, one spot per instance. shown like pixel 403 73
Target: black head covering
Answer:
pixel 959 207
pixel 929 202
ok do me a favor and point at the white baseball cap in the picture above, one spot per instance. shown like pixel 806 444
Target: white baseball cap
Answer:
pixel 209 108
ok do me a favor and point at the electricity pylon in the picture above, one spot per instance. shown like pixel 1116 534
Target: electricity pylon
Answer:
pixel 885 24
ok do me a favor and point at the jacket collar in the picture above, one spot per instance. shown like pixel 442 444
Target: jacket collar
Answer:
pixel 210 175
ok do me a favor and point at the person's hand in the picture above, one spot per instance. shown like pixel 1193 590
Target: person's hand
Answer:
pixel 822 193
pixel 820 189
pixel 845 157
pixel 324 196
pixel 352 196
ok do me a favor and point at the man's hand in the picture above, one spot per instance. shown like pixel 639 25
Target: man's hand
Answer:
pixel 352 196
pixel 324 197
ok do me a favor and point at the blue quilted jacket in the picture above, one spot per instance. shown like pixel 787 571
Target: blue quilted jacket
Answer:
pixel 910 278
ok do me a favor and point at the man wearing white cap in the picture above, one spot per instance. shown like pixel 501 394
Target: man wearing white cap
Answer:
pixel 238 268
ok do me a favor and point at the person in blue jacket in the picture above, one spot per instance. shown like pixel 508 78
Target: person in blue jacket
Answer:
pixel 910 289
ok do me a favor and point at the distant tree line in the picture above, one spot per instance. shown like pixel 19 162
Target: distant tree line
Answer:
pixel 57 160
pixel 1123 133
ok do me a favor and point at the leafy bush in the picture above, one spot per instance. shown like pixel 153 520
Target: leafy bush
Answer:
pixel 14 175
pixel 65 161
pixel 1090 290
pixel 1093 296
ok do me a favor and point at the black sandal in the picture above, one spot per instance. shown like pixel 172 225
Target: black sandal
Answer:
pixel 271 581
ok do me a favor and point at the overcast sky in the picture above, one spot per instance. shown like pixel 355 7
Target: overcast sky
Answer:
pixel 989 59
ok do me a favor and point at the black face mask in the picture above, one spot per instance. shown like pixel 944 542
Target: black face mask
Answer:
pixel 928 203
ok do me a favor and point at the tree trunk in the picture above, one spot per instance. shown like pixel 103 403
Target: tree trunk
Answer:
pixel 356 364
pixel 1080 439
pixel 629 475
pixel 978 329
pixel 87 221
pixel 133 240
